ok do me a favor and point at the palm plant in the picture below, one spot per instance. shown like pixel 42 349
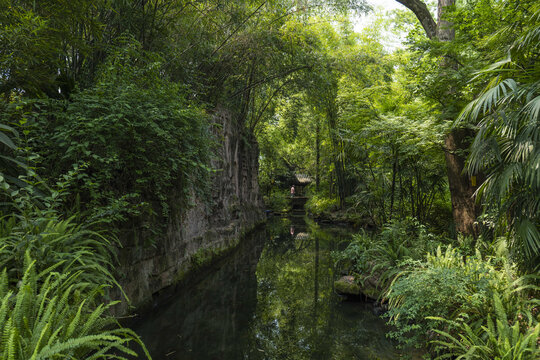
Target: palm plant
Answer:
pixel 9 165
pixel 5 140
pixel 507 145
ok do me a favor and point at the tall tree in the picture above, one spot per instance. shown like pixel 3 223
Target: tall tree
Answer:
pixel 462 189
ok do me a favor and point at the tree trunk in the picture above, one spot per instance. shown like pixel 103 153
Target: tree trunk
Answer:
pixel 464 207
pixel 445 29
pixel 457 141
pixel 318 154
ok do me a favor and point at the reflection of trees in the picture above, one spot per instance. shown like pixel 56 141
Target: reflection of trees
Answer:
pixel 210 319
pixel 296 308
pixel 288 316
pixel 281 307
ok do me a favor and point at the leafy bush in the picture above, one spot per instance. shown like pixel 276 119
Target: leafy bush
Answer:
pixel 134 136
pixel 388 253
pixel 451 286
pixel 278 200
pixel 319 204
pixel 406 238
pixel 54 315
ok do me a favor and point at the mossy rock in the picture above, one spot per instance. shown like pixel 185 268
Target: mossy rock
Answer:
pixel 347 286
pixel 369 288
pixel 371 292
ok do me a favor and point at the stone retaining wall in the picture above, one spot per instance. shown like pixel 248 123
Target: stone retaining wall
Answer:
pixel 203 229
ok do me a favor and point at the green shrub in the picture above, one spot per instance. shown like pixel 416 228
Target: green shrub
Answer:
pixel 406 238
pixel 319 204
pixel 356 259
pixel 386 254
pixel 451 286
pixel 134 137
pixel 279 200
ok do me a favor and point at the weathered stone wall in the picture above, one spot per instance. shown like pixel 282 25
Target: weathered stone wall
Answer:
pixel 201 230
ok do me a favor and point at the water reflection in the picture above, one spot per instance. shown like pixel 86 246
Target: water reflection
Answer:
pixel 272 299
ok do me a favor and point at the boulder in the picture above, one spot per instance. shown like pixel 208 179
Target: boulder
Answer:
pixel 368 287
pixel 347 286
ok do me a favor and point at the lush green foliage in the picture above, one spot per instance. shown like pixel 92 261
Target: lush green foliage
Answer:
pixel 507 146
pixel 111 102
pixel 373 139
pixel 52 241
pixel 356 129
pixel 55 315
pixel 500 338
pixel 403 169
pixel 461 288
pixel 319 204
pixel 386 254
pixel 133 136
pixel 446 293
pixel 278 201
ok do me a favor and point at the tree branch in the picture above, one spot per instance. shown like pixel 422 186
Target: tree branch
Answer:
pixel 424 16
pixel 265 106
pixel 270 78
pixel 238 28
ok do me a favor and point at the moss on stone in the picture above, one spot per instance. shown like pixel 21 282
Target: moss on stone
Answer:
pixel 347 286
pixel 371 292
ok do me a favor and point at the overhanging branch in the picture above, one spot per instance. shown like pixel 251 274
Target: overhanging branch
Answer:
pixel 424 16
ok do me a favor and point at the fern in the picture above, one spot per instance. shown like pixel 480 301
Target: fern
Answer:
pixel 48 318
pixel 498 339
pixel 461 288
pixel 53 242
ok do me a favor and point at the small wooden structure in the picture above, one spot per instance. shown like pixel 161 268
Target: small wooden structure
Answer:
pixel 300 182
pixel 299 199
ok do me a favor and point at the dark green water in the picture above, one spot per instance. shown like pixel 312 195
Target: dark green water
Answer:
pixel 272 299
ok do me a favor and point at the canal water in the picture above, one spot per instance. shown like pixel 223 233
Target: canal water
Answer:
pixel 273 298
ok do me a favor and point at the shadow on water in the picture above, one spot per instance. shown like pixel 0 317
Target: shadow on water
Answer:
pixel 272 299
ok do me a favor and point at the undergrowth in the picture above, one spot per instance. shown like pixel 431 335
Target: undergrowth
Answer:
pixel 464 302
